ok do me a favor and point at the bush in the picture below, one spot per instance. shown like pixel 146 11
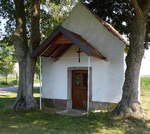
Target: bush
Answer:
pixel 10 83
pixel 3 83
pixel 13 82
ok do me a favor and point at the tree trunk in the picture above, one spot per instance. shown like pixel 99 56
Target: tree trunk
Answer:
pixel 25 100
pixel 35 31
pixel 6 75
pixel 130 104
pixel 16 79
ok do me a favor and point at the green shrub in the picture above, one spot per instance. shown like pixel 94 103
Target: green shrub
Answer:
pixel 13 82
pixel 3 83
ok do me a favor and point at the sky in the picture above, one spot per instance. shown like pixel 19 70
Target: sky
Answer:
pixel 2 24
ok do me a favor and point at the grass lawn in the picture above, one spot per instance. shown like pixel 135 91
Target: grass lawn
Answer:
pixel 42 122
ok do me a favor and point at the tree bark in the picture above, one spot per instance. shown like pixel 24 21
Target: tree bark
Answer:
pixel 25 100
pixel 35 31
pixel 6 75
pixel 130 104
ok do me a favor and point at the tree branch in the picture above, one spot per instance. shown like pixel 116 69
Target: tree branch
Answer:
pixel 146 6
pixel 35 24
pixel 19 37
pixel 138 9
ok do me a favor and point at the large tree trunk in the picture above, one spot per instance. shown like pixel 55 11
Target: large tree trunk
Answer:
pixel 130 104
pixel 25 98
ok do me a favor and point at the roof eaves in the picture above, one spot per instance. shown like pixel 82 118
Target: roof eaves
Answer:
pixel 80 42
pixel 75 38
pixel 45 43
pixel 68 34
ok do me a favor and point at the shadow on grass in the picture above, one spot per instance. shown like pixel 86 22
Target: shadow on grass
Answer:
pixel 41 122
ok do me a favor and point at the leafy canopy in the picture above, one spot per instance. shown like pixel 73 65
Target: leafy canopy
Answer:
pixel 7 59
pixel 119 13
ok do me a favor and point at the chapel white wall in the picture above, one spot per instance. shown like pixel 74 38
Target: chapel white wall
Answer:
pixel 107 76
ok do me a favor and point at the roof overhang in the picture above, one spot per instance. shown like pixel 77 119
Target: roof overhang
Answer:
pixel 60 41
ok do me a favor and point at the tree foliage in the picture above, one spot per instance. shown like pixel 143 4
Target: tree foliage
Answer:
pixel 119 13
pixel 53 13
pixel 7 58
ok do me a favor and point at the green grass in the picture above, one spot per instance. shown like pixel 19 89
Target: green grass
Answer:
pixel 44 122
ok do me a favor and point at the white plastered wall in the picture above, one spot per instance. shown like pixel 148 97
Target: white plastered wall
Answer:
pixel 54 81
pixel 107 76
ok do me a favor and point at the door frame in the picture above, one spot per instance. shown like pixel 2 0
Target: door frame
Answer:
pixel 69 85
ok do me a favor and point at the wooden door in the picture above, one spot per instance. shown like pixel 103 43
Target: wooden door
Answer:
pixel 79 89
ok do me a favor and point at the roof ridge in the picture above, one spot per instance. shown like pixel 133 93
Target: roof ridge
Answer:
pixel 108 26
